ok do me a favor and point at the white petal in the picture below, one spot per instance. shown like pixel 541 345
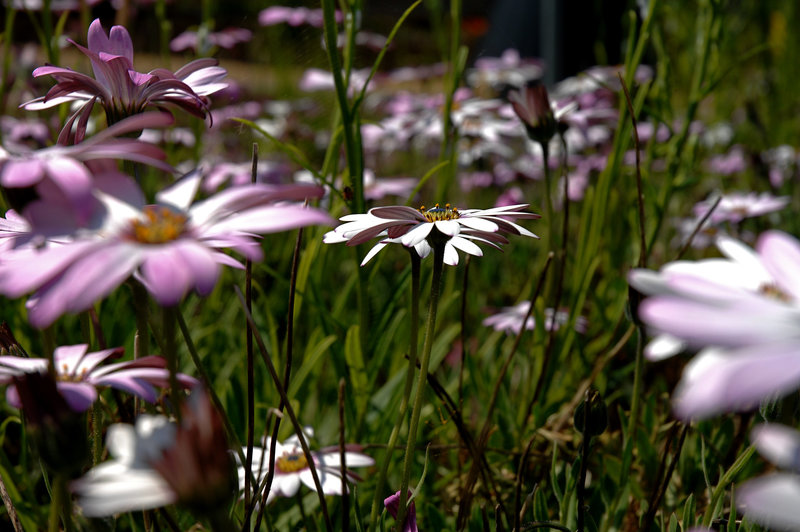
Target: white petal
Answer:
pixel 450 255
pixel 772 501
pixel 466 246
pixel 416 235
pixel 181 194
pixel 479 224
pixel 664 346
pixel 372 252
pixel 448 227
pixel 777 443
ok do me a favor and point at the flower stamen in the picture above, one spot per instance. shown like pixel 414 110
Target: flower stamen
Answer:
pixel 159 226
pixel 437 213
pixel 291 462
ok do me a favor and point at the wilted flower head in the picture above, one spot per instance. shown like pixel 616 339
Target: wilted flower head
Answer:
pixel 413 228
pixel 198 466
pixel 78 373
pixel 121 90
pixel 392 503
pixel 291 467
pixel 539 117
pixel 171 247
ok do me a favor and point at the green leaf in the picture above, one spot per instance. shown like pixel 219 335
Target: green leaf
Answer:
pixel 358 373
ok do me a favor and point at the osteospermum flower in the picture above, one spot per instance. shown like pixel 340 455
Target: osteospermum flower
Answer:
pixel 737 206
pixel 412 228
pixel 121 90
pixel 772 500
pixel 510 319
pixel 171 247
pixel 291 467
pixel 79 373
pixel 744 310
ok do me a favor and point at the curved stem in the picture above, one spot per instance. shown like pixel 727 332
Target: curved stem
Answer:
pixel 436 282
pixel 401 414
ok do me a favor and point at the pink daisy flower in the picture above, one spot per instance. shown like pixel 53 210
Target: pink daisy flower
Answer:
pixel 78 374
pixel 171 247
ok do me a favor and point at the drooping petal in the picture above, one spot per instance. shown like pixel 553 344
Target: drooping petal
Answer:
pixel 24 173
pixel 166 276
pixel 79 395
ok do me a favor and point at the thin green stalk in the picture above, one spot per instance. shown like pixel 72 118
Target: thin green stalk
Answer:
pixel 233 438
pixel 430 331
pixel 171 355
pixel 353 151
pixel 60 506
pixel 636 400
pixel 251 406
pixel 142 345
pixel 724 482
pixel 551 227
pixel 401 413
pixel 289 409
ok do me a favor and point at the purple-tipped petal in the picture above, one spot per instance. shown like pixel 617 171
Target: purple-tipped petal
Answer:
pixel 79 395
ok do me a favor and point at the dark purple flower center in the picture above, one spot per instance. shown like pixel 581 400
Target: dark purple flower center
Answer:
pixel 291 462
pixel 437 214
pixel 159 225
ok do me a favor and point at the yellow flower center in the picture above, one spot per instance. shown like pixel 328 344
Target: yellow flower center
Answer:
pixel 65 376
pixel 291 462
pixel 437 214
pixel 159 225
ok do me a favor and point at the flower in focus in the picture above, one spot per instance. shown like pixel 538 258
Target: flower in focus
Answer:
pixel 171 247
pixel 123 91
pixel 510 319
pixel 392 503
pixel 412 228
pixel 744 310
pixel 291 467
pixel 78 373
pixel 772 500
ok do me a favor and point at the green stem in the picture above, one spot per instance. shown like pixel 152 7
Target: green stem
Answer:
pixel 438 242
pixel 726 479
pixel 401 414
pixel 551 226
pixel 60 506
pixel 142 344
pixel 171 354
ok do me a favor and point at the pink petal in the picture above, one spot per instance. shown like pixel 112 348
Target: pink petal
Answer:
pixel 25 173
